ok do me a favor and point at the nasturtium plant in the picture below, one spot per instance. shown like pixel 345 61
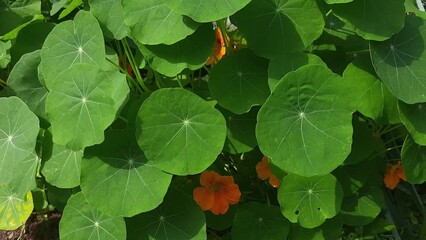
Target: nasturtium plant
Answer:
pixel 213 119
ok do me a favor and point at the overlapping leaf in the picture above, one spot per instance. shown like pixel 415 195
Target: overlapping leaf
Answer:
pixel 400 61
pixel 239 82
pixel 170 221
pixel 24 83
pixel 206 10
pixel 259 221
pixel 179 132
pixel 119 167
pixel 172 59
pixel 81 220
pixel 19 128
pixel 70 42
pixel 413 117
pixel 309 201
pixel 413 158
pixel 80 107
pixel 153 22
pixel 14 211
pixel 273 26
pixel 111 15
pixel 373 19
pixel 305 125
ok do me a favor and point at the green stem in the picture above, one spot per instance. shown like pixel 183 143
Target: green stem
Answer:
pixel 129 55
pixel 127 74
pixel 358 51
pixel 390 129
pixel 329 12
pixel 179 81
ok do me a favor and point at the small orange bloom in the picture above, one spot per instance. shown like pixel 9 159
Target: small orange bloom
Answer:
pixel 393 175
pixel 121 60
pixel 216 192
pixel 264 172
pixel 219 49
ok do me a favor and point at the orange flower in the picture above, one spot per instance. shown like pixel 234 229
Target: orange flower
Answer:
pixel 393 175
pixel 216 192
pixel 264 172
pixel 219 49
pixel 121 60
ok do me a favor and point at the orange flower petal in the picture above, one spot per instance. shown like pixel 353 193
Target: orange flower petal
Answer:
pixel 220 205
pixel 274 181
pixel 203 197
pixel 400 171
pixel 219 49
pixel 232 194
pixel 208 178
pixel 263 170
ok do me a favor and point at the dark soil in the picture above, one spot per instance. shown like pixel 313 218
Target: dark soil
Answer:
pixel 37 227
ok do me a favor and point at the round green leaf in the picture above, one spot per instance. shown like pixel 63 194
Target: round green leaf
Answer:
pixel 373 19
pixel 78 41
pixel 309 201
pixel 111 16
pixel 61 166
pixel 119 167
pixel 413 158
pixel 206 10
pixel 363 207
pixel 170 60
pixel 19 128
pixel 330 229
pixel 287 62
pixel 239 81
pixel 152 22
pixel 24 176
pixel 259 221
pixel 179 132
pixel 240 137
pixel 79 106
pixel 413 117
pixel 177 218
pixel 80 220
pixel 273 27
pixel 400 61
pixel 24 83
pixel 14 211
pixel 305 125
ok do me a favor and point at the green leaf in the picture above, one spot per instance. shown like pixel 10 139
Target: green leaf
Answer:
pixel 4 54
pixel 374 98
pixel 14 211
pixel 119 167
pixel 24 8
pixel 19 128
pixel 111 16
pixel 70 42
pixel 305 125
pixel 239 81
pixel 309 201
pixel 413 117
pixel 170 60
pixel 363 142
pixel 152 22
pixel 177 218
pixel 61 166
pixel 23 81
pixel 179 132
pixel 330 229
pixel 73 5
pixel 287 62
pixel 120 91
pixel 273 27
pixel 413 158
pixel 85 92
pixel 363 207
pixel 81 220
pixel 24 176
pixel 373 19
pixel 259 221
pixel 400 61
pixel 241 136
pixel 206 10
pixel 337 1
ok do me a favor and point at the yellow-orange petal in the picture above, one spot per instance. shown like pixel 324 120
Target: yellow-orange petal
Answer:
pixel 203 197
pixel 207 178
pixel 274 181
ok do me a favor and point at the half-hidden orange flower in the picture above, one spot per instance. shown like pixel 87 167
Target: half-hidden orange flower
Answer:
pixel 121 60
pixel 264 172
pixel 394 173
pixel 216 192
pixel 219 48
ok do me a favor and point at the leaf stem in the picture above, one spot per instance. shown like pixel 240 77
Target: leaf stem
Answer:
pixel 129 55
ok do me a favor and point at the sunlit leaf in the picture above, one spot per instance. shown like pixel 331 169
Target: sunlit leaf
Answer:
pixel 14 211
